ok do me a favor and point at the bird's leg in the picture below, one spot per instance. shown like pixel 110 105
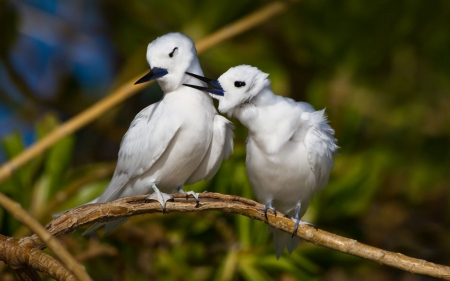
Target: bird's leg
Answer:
pixel 269 206
pixel 162 198
pixel 187 193
pixel 299 221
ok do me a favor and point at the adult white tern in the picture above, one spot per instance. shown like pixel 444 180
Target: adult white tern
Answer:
pixel 179 140
pixel 290 146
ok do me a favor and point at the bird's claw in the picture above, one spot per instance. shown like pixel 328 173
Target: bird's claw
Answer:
pixel 298 222
pixel 194 194
pixel 162 198
pixel 269 206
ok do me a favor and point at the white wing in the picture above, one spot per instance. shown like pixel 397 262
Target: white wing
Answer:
pixel 220 149
pixel 320 146
pixel 149 135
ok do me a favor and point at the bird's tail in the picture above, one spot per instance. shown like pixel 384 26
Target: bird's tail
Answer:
pixel 109 226
pixel 282 239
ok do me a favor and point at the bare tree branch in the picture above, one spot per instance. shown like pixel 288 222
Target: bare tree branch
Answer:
pixel 22 216
pixel 83 215
pixel 26 260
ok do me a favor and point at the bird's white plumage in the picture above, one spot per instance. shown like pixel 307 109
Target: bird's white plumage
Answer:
pixel 290 146
pixel 220 149
pixel 180 139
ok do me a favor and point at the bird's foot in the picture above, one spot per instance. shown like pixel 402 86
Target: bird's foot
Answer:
pixel 159 196
pixel 298 222
pixel 194 194
pixel 269 206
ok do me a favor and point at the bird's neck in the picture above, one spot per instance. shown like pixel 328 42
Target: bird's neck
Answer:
pixel 179 77
pixel 265 98
pixel 249 113
pixel 194 68
pixel 264 119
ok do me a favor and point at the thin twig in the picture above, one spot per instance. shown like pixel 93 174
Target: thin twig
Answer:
pixel 26 260
pixel 22 216
pixel 83 215
pixel 242 25
pixel 128 89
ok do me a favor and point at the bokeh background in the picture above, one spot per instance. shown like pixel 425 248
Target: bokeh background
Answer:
pixel 381 69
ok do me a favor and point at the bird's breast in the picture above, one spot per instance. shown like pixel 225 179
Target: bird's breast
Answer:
pixel 284 176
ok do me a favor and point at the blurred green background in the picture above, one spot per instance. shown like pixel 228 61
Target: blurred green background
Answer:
pixel 381 68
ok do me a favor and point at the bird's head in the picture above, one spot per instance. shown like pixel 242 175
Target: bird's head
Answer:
pixel 235 88
pixel 169 57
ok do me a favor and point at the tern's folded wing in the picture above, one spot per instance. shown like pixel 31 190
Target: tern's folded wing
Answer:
pixel 149 135
pixel 220 149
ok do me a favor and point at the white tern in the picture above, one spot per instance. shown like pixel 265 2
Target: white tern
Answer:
pixel 179 140
pixel 290 146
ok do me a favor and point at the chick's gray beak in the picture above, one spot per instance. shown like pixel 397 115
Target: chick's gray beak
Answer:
pixel 154 73
pixel 214 86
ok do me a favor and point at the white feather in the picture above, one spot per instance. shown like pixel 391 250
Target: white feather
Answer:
pixel 177 140
pixel 290 146
pixel 220 149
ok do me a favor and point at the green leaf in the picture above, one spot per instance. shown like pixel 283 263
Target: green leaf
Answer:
pixel 57 163
pixel 249 271
pixel 228 268
pixel 16 186
pixel 243 226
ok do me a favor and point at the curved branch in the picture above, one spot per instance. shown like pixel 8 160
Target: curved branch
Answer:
pixel 22 216
pixel 21 259
pixel 83 215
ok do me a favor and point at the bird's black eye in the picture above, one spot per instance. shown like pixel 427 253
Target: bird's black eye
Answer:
pixel 239 84
pixel 173 52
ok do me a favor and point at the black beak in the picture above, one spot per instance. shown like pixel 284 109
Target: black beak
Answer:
pixel 215 87
pixel 154 73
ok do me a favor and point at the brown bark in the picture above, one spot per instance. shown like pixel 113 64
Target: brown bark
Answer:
pixel 83 215
pixel 25 261
pixel 22 216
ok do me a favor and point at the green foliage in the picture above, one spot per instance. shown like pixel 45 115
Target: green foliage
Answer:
pixel 381 70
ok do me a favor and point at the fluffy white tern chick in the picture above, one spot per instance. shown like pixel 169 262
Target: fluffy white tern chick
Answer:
pixel 290 146
pixel 179 140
